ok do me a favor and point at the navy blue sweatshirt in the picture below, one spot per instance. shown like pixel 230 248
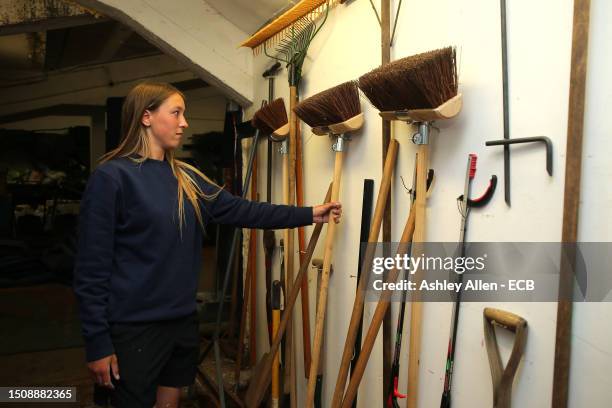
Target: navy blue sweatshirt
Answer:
pixel 132 263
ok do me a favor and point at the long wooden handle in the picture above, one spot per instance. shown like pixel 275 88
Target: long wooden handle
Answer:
pixel 305 297
pixel 416 310
pixel 290 252
pixel 379 314
pixel 243 319
pixel 318 399
pixel 322 304
pixel 571 199
pixel 275 361
pixel 260 382
pixel 318 263
pixel 381 202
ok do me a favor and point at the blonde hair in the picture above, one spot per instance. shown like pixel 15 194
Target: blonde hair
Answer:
pixel 149 96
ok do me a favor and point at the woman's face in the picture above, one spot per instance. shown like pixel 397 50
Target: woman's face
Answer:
pixel 166 124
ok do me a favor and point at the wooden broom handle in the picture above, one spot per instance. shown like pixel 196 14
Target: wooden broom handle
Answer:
pixel 416 309
pixel 259 385
pixel 379 315
pixel 275 361
pixel 318 263
pixel 290 242
pixel 321 305
pixel 381 202
pixel 305 297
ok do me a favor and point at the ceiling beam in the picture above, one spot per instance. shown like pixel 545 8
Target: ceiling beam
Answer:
pixel 115 40
pixel 57 110
pixel 27 16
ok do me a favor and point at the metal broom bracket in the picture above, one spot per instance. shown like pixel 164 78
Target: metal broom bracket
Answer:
pixel 536 139
pixel 338 145
pixel 424 118
pixel 284 147
pixel 421 137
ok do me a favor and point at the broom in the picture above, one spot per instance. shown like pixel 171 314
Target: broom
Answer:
pixel 418 90
pixel 335 111
pixel 272 120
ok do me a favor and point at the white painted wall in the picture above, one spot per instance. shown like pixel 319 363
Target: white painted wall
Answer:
pixel 539 43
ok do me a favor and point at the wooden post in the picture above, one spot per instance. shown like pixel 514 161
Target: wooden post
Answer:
pixel 385 40
pixel 290 242
pixel 571 200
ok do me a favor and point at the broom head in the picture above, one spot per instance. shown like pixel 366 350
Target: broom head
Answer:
pixel 335 110
pixel 418 88
pixel 272 120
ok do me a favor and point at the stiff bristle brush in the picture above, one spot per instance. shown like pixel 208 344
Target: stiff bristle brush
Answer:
pixel 419 90
pixel 422 81
pixel 336 111
pixel 331 107
pixel 272 120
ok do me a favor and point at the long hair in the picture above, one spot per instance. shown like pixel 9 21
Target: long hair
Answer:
pixel 149 96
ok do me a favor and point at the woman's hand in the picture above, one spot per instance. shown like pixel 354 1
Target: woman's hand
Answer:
pixel 101 370
pixel 321 213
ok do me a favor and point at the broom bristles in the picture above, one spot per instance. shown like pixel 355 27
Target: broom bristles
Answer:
pixel 422 81
pixel 270 117
pixel 334 105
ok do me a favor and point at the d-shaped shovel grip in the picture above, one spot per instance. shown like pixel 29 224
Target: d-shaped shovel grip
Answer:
pixel 501 376
pixel 505 319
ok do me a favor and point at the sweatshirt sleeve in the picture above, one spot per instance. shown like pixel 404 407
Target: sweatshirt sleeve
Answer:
pixel 94 261
pixel 230 209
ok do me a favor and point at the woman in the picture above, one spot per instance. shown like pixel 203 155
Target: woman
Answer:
pixel 140 240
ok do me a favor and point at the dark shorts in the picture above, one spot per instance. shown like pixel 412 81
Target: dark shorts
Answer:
pixel 151 354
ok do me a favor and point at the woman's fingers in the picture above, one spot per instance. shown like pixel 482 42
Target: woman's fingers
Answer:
pixel 323 212
pixel 115 367
pixel 337 213
pixel 106 378
pixel 101 370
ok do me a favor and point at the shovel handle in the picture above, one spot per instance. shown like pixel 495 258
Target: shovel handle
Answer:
pixel 504 319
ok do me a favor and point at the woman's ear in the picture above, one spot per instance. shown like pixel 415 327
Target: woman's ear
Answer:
pixel 146 118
